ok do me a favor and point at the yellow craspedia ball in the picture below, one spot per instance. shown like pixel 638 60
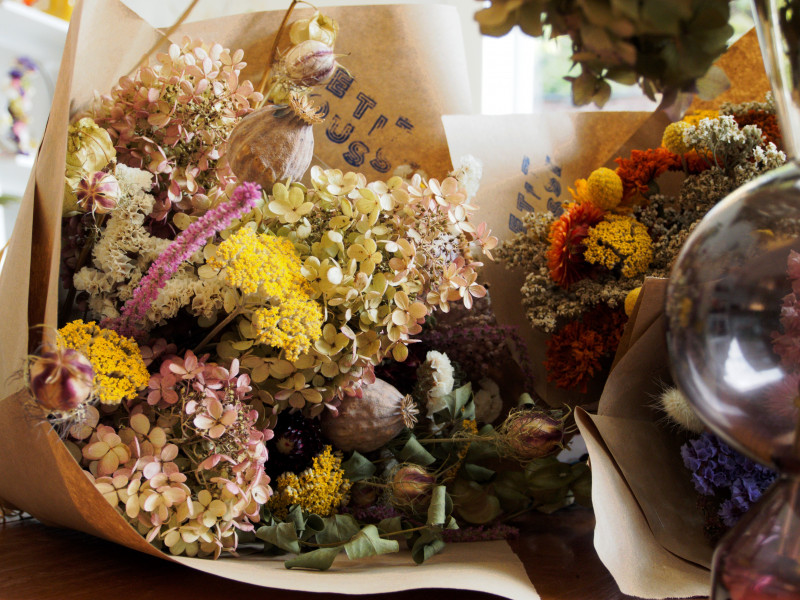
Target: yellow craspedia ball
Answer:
pixel 605 188
pixel 697 116
pixel 630 300
pixel 673 138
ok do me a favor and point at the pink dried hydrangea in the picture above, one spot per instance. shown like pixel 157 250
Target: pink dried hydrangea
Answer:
pixel 173 119
pixel 188 466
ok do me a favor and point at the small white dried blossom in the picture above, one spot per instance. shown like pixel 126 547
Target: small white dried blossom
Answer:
pixel 468 171
pixel 488 402
pixel 435 380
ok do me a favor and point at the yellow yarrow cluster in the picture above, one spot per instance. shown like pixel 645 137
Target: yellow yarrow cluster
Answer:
pixel 293 325
pixel 673 137
pixel 604 187
pixel 697 116
pixel 270 266
pixel 260 263
pixel 620 241
pixel 119 371
pixel 320 489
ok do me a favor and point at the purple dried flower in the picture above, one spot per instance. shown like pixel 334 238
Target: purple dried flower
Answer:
pixel 192 239
pixel 718 470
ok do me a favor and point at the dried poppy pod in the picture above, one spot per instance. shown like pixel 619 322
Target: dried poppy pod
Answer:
pixel 273 143
pixel 367 423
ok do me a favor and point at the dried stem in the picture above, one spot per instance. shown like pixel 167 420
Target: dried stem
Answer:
pixel 217 329
pixel 274 50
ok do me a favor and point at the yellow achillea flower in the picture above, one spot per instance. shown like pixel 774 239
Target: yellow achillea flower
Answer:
pixel 697 116
pixel 259 263
pixel 619 241
pixel 293 325
pixel 119 371
pixel 270 266
pixel 673 138
pixel 320 489
pixel 605 188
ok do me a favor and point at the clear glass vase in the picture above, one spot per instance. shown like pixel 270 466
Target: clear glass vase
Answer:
pixel 733 312
pixel 760 558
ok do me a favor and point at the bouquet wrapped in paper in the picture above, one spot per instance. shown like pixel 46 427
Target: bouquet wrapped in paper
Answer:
pixel 233 328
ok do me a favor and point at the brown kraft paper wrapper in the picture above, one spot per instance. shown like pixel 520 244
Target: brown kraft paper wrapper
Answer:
pixel 529 162
pixel 649 531
pixel 106 40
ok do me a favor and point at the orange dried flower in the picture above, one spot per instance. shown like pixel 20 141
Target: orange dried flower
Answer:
pixel 765 121
pixel 641 168
pixel 565 256
pixel 577 351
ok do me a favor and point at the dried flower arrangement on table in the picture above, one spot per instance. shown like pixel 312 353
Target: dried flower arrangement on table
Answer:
pixel 223 327
pixel 585 266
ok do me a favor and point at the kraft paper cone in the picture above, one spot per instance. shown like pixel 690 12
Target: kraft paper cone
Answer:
pixel 649 532
pixel 106 40
pixel 529 162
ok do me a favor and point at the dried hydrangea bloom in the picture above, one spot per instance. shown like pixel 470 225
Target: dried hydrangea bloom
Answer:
pixel 173 119
pixel 379 257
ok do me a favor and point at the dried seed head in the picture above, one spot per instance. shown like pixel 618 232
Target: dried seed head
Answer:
pixel 60 380
pixel 98 193
pixel 530 434
pixel 411 485
pixel 309 63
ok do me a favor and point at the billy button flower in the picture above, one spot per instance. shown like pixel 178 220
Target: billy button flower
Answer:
pixel 605 188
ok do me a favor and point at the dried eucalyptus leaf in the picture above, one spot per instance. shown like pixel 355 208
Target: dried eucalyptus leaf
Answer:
pixel 357 467
pixel 320 559
pixel 414 452
pixel 427 545
pixel 281 535
pixel 338 528
pixel 368 542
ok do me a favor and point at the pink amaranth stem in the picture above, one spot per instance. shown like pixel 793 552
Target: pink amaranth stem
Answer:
pixel 193 238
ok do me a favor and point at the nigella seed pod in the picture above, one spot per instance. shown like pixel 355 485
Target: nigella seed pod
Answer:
pixel 98 193
pixel 411 485
pixel 60 380
pixel 309 63
pixel 530 434
pixel 273 143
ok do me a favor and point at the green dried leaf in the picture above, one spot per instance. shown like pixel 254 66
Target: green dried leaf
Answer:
pixel 427 545
pixel 357 467
pixel 368 542
pixel 437 509
pixel 712 84
pixel 338 528
pixel 391 525
pixel 414 452
pixel 281 535
pixel 320 559
pixel 603 93
pixel 478 473
pixel 529 18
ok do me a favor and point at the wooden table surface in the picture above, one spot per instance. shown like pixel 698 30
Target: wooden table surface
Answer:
pixel 40 562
